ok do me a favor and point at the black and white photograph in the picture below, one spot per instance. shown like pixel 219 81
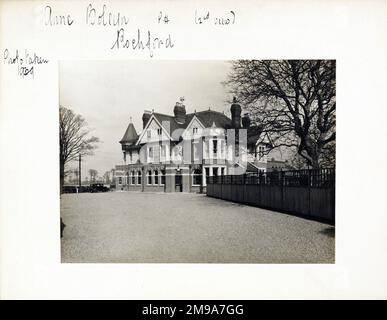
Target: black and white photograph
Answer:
pixel 197 161
pixel 190 154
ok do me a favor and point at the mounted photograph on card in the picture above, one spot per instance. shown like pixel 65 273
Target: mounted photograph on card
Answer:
pixel 179 161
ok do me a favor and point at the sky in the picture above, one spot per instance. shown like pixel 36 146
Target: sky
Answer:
pixel 108 93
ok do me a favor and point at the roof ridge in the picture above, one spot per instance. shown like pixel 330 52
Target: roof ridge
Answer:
pixel 163 114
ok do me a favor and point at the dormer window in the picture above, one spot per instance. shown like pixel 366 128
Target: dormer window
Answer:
pixel 149 134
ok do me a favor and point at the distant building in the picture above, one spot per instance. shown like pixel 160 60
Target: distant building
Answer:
pixel 179 152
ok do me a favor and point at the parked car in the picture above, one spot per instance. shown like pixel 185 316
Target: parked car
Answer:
pixel 69 189
pixel 98 187
pixel 84 189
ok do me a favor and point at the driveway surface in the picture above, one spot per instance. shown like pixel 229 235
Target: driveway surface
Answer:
pixel 128 227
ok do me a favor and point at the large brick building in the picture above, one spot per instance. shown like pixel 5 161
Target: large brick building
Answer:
pixel 174 153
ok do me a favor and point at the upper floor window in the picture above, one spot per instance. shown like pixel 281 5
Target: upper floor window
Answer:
pixel 159 131
pixel 178 150
pixel 222 148
pixel 196 151
pixel 163 151
pixel 149 134
pixel 150 153
pixel 195 130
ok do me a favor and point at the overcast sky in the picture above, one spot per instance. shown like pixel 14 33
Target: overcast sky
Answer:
pixel 108 93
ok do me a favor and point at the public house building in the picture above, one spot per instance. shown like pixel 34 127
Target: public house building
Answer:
pixel 177 153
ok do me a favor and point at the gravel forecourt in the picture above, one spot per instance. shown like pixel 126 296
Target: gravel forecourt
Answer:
pixel 135 227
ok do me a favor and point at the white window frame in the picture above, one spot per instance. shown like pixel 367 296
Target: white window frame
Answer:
pixel 214 154
pixel 150 158
pixel 138 174
pixel 193 174
pixel 196 146
pixel 154 177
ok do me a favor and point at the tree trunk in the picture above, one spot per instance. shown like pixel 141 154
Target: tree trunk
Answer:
pixel 61 174
pixel 315 164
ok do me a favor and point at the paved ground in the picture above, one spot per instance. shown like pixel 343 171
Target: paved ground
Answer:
pixel 154 227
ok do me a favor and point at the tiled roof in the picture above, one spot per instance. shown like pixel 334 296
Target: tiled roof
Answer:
pixel 251 167
pixel 207 118
pixel 130 134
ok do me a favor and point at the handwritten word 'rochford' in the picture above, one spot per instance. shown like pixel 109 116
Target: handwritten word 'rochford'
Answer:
pixel 140 42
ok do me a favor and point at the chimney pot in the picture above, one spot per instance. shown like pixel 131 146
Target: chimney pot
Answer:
pixel 179 112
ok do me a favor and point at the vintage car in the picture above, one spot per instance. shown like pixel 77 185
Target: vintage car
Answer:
pixel 98 187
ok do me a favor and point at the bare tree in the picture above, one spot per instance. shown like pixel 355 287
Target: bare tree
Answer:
pixel 74 139
pixel 93 175
pixel 76 174
pixel 294 101
pixel 106 177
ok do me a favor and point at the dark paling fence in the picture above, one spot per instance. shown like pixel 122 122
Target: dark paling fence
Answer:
pixel 310 193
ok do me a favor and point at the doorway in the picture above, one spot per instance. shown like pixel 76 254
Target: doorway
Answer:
pixel 178 182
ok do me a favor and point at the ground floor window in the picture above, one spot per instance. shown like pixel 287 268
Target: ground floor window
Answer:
pixel 197 177
pixel 133 178
pixel 139 177
pixel 156 177
pixel 149 177
pixel 119 180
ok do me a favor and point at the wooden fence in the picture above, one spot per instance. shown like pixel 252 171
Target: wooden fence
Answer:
pixel 308 193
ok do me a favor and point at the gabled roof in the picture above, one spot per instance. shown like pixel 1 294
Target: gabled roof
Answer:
pixel 130 134
pixel 207 118
pixel 251 167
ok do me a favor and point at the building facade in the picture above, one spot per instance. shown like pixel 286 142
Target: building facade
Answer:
pixel 177 153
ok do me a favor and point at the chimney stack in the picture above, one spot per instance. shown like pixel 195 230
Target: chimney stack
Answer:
pixel 246 121
pixel 179 111
pixel 236 111
pixel 145 118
